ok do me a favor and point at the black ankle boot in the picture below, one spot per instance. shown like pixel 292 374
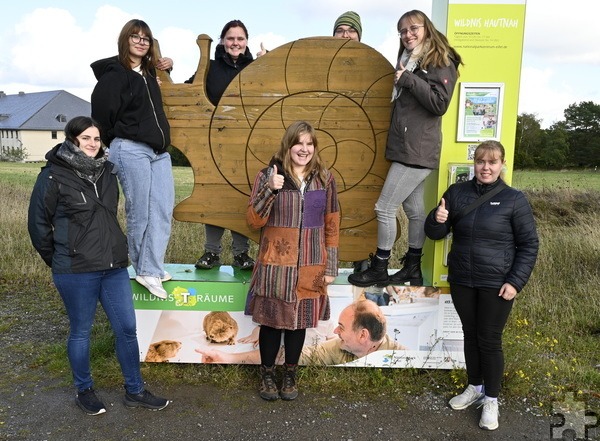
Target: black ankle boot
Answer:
pixel 376 274
pixel 410 273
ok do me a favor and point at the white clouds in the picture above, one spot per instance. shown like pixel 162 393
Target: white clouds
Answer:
pixel 51 48
pixel 269 39
pixel 40 54
pixel 559 29
pixel 540 96
pixel 105 30
pixel 561 60
pixel 389 47
pixel 180 45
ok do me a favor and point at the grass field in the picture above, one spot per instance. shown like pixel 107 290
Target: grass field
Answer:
pixel 552 342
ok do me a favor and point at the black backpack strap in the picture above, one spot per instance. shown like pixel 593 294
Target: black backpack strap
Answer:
pixel 480 200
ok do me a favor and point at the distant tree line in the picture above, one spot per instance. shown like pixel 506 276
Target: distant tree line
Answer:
pixel 574 142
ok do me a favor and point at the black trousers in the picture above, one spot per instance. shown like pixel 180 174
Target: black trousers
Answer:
pixel 269 341
pixel 483 315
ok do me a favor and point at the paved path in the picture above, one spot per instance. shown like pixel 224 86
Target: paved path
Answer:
pixel 48 412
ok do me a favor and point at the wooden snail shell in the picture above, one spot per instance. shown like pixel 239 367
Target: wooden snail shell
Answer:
pixel 340 86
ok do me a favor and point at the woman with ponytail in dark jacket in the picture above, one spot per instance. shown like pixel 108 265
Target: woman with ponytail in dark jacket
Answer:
pixel 494 249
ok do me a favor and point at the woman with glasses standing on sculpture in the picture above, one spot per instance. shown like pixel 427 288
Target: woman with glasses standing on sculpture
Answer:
pixel 127 104
pixel 426 74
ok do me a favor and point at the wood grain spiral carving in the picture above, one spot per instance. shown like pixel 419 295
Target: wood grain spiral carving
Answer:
pixel 340 86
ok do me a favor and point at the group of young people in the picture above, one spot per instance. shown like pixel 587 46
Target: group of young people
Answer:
pixel 73 223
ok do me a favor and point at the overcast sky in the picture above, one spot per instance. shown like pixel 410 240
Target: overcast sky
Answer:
pixel 49 44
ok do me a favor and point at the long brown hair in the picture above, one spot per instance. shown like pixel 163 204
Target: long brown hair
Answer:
pixel 439 52
pixel 290 138
pixel 135 26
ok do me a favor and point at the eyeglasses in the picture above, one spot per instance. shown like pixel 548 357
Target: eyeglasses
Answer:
pixel 414 30
pixel 138 39
pixel 342 31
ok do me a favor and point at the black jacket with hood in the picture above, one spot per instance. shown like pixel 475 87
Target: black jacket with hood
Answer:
pixel 73 222
pixel 221 71
pixel 129 105
pixel 496 243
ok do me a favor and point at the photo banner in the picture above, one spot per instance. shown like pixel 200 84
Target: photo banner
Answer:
pixel 203 321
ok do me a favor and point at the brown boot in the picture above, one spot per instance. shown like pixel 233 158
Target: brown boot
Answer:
pixel 288 386
pixel 268 389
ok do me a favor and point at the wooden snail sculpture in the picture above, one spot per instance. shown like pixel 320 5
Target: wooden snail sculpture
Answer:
pixel 340 86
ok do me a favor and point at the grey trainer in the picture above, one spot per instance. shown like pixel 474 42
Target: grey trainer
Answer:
pixel 468 397
pixel 489 414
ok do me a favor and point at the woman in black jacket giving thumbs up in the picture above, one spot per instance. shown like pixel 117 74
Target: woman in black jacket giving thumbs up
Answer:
pixel 494 249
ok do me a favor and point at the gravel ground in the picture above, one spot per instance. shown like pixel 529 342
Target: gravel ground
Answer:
pixel 46 411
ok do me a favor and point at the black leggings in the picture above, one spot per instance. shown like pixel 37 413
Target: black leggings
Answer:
pixel 483 315
pixel 269 341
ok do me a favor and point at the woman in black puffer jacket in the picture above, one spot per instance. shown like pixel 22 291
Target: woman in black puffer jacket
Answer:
pixel 494 249
pixel 231 57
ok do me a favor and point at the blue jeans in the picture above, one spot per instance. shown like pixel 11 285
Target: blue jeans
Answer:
pixel 403 186
pixel 149 189
pixel 214 234
pixel 380 298
pixel 80 293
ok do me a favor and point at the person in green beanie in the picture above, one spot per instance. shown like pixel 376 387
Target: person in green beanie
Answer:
pixel 348 25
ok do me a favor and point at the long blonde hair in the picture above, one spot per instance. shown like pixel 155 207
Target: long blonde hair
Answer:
pixel 439 52
pixel 290 138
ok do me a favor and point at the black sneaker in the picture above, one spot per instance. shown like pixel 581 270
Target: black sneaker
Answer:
pixel 243 261
pixel 145 399
pixel 208 260
pixel 89 402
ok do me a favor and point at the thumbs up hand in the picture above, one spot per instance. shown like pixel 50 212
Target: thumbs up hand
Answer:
pixel 441 214
pixel 275 180
pixel 262 51
pixel 399 71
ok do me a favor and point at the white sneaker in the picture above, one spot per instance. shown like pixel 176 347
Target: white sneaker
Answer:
pixel 489 414
pixel 152 284
pixel 166 277
pixel 468 397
